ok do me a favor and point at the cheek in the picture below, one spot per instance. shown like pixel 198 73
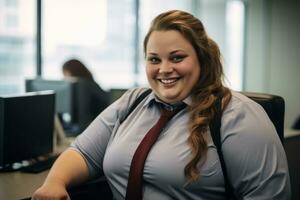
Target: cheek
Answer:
pixel 188 69
pixel 150 71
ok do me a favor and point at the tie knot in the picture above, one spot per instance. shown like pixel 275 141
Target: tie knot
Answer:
pixel 167 113
pixel 170 113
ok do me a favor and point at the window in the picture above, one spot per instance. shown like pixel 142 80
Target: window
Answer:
pixel 234 43
pixel 97 32
pixel 11 21
pixel 12 3
pixel 101 33
pixel 224 23
pixel 17 44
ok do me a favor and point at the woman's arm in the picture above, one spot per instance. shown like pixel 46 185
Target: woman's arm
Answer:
pixel 69 169
pixel 255 158
pixel 73 167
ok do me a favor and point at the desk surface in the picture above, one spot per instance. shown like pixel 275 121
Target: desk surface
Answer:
pixel 289 133
pixel 20 185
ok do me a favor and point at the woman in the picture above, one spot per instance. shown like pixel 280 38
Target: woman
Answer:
pixel 95 97
pixel 76 69
pixel 183 68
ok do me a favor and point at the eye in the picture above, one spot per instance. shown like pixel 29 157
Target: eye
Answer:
pixel 153 60
pixel 177 58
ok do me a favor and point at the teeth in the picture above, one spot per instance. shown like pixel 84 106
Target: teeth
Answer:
pixel 168 81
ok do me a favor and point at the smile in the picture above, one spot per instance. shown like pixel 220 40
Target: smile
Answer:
pixel 168 81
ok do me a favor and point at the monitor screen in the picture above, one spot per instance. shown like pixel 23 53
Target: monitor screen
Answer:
pixel 63 92
pixel 78 101
pixel 26 126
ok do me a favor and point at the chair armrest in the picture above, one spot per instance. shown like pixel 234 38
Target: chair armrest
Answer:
pixel 94 189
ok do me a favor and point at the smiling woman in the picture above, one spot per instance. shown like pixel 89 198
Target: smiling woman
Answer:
pixel 199 72
pixel 172 65
pixel 166 138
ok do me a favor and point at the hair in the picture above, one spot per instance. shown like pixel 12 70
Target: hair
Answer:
pixel 209 86
pixel 77 69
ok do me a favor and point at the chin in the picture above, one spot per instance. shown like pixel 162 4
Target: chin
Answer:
pixel 170 98
pixel 168 95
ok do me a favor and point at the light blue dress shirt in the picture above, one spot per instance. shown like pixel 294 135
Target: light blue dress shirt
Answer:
pixel 255 159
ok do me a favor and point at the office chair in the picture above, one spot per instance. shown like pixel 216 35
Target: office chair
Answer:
pixel 94 189
pixel 273 105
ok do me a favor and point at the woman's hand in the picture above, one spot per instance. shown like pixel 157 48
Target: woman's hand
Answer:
pixel 69 169
pixel 53 191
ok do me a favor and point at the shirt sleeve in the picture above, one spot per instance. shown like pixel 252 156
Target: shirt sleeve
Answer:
pixel 92 143
pixel 254 156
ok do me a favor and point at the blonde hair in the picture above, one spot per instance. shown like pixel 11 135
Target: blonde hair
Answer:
pixel 209 86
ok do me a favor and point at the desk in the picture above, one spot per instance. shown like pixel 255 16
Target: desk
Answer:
pixel 19 185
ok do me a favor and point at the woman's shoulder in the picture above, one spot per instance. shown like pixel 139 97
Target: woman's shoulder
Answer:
pixel 247 133
pixel 123 103
pixel 134 93
pixel 245 117
pixel 241 103
pixel 130 96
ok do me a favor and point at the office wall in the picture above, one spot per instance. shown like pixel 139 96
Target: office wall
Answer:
pixel 272 49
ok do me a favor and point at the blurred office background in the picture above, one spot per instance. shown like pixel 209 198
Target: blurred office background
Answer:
pixel 258 39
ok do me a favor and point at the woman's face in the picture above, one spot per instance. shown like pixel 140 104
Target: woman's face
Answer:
pixel 172 65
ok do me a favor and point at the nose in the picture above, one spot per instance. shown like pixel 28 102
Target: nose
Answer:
pixel 166 67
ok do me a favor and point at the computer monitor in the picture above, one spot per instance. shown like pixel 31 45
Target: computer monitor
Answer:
pixel 26 126
pixel 78 99
pixel 66 98
pixel 64 90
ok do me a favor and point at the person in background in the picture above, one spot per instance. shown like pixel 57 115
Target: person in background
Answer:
pixel 75 68
pixel 97 98
pixel 185 73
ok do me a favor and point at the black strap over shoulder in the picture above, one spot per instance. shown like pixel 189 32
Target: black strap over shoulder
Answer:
pixel 137 102
pixel 215 127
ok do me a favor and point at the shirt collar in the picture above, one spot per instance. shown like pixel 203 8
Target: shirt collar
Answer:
pixel 153 99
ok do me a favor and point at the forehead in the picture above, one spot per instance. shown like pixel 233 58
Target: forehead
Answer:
pixel 167 41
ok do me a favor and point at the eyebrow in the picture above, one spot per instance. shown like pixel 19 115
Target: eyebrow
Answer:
pixel 172 52
pixel 152 53
pixel 176 51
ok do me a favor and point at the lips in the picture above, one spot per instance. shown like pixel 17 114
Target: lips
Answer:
pixel 168 81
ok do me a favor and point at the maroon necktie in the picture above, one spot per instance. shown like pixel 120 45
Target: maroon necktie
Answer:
pixel 135 179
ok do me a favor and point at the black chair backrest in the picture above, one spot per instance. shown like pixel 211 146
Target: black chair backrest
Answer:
pixel 274 107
